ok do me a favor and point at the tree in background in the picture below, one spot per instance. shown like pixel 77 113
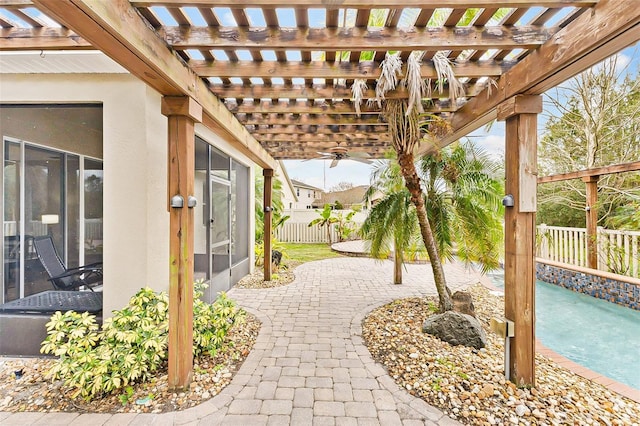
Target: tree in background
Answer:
pixel 341 186
pixel 597 124
pixel 326 219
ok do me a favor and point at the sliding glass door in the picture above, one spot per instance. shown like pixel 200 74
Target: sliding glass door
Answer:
pixel 221 236
pixel 43 190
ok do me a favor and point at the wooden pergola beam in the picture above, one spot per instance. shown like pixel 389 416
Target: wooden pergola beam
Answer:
pixel 369 70
pixel 355 38
pixel 313 119
pixel 318 130
pixel 46 38
pixel 570 51
pixel 367 4
pixel 312 147
pixel 304 138
pixel 261 91
pixel 116 29
pixel 302 107
pixel 598 171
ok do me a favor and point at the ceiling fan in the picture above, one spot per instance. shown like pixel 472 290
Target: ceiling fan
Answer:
pixel 339 153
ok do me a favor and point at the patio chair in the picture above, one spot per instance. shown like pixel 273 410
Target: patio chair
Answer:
pixel 64 278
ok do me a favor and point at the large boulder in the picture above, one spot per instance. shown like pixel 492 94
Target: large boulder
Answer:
pixel 456 328
pixel 463 303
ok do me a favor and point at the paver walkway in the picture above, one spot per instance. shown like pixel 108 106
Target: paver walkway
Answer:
pixel 309 365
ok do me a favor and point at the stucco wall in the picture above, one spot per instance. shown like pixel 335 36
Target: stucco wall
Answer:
pixel 135 172
pixel 136 221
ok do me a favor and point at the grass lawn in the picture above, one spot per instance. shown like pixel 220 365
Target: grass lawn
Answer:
pixel 300 252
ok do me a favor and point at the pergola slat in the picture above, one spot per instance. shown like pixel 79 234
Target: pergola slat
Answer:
pixel 349 39
pixel 304 119
pixel 334 108
pixel 47 38
pixel 379 4
pixel 319 92
pixel 348 70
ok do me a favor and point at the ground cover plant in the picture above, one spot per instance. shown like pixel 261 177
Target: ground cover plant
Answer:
pixel 132 345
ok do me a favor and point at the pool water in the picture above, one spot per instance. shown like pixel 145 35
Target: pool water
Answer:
pixel 597 334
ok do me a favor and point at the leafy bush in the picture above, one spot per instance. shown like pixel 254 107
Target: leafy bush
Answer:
pixel 132 345
pixel 258 250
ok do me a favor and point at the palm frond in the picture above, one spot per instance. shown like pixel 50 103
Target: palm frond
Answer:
pixel 415 84
pixel 444 71
pixel 358 88
pixel 391 68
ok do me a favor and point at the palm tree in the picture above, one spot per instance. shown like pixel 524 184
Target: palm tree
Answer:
pixel 404 129
pixel 326 219
pixel 463 197
pixel 392 223
pixel 463 201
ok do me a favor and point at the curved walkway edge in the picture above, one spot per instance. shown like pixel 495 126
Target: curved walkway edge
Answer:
pixel 309 365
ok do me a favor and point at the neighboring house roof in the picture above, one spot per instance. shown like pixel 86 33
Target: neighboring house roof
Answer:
pixel 288 181
pixel 347 197
pixel 297 183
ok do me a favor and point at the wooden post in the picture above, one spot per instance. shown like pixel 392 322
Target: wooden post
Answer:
pixel 520 114
pixel 591 183
pixel 268 215
pixel 182 113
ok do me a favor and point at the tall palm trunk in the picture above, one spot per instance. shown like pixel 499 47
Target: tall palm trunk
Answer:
pixel 405 135
pixel 412 182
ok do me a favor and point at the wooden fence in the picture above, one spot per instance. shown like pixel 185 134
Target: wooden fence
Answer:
pixel 618 251
pixel 302 233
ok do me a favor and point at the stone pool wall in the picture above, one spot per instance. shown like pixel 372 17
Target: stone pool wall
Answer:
pixel 604 286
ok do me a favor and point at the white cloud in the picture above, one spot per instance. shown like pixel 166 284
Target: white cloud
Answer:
pixel 228 20
pixel 492 144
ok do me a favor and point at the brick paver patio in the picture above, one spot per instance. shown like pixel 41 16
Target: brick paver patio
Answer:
pixel 309 365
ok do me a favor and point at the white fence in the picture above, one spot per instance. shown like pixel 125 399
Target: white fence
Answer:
pixel 302 233
pixel 618 251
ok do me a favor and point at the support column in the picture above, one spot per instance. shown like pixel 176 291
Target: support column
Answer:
pixel 591 183
pixel 268 217
pixel 182 113
pixel 520 113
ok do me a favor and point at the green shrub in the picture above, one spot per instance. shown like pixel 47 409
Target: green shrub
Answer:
pixel 132 345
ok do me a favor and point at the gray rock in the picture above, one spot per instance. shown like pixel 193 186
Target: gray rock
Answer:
pixel 456 328
pixel 463 303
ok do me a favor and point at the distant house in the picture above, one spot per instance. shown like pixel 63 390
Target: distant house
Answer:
pixel 289 197
pixel 306 194
pixel 352 198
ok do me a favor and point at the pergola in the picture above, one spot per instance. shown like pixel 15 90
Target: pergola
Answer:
pixel 280 89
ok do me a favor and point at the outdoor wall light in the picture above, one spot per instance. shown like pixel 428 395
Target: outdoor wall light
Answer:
pixel 177 202
pixel 587 209
pixel 267 209
pixel 508 201
pixel 192 201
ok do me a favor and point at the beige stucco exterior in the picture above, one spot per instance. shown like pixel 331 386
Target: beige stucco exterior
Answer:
pixel 136 221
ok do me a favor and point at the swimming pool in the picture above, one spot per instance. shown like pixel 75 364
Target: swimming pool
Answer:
pixel 597 334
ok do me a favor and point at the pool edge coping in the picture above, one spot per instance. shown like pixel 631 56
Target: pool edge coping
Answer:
pixel 582 371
